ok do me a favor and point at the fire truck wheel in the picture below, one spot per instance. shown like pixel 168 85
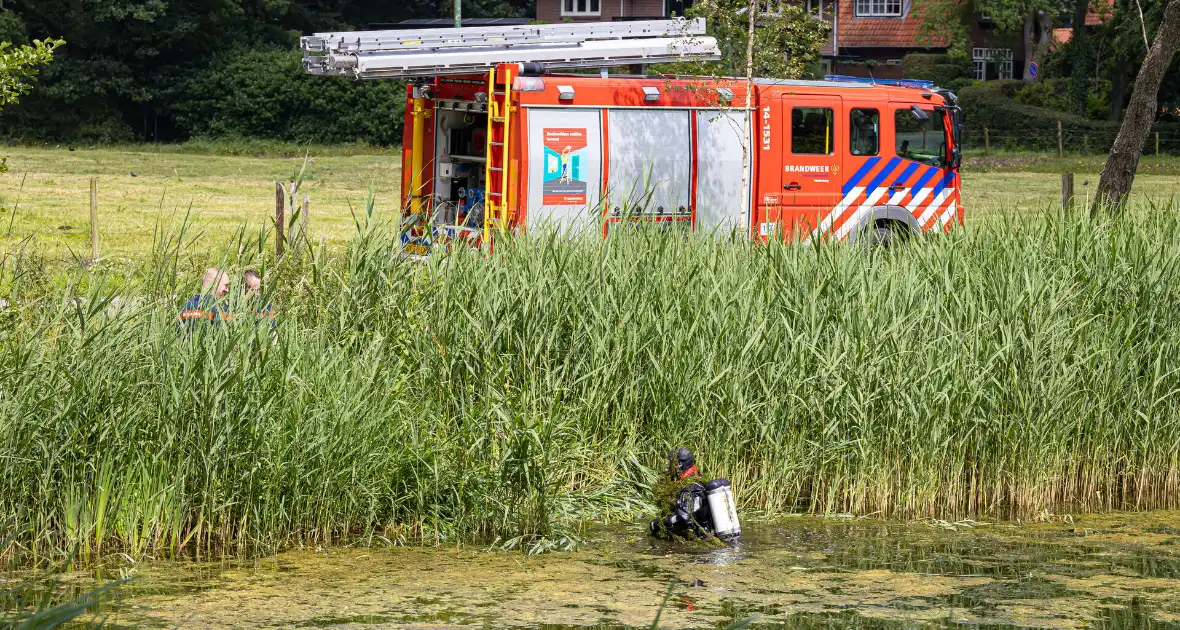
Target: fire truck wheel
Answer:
pixel 888 234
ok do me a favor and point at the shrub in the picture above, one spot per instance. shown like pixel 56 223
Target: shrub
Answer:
pixel 40 119
pixel 1055 94
pixel 266 94
pixel 1023 126
pixel 921 65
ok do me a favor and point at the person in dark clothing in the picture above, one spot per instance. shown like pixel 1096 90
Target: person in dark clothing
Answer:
pixel 689 515
pixel 252 292
pixel 206 305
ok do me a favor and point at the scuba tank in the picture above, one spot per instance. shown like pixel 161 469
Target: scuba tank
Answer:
pixel 723 509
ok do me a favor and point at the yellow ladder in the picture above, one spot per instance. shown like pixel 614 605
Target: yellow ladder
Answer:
pixel 496 174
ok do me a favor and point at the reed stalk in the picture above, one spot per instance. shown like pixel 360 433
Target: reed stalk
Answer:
pixel 1002 370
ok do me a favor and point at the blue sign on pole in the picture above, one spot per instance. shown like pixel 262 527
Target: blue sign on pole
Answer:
pixel 1033 69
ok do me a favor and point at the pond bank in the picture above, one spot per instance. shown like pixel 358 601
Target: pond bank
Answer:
pixel 1108 571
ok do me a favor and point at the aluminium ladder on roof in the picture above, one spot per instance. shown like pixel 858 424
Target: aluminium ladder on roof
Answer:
pixel 444 51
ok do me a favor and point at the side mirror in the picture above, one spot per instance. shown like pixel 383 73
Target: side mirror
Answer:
pixel 919 113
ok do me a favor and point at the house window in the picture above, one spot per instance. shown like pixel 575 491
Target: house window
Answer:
pixel 817 8
pixel 878 8
pixel 812 131
pixel 992 63
pixel 863 127
pixel 771 8
pixel 580 7
pixel 1005 63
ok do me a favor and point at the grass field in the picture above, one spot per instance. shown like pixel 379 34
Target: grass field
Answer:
pixel 225 192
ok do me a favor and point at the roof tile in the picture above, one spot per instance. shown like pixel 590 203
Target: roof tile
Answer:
pixel 898 32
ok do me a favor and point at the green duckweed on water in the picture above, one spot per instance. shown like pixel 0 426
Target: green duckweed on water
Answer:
pixel 1118 571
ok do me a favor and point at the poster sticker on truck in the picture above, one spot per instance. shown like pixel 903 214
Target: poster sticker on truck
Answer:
pixel 565 162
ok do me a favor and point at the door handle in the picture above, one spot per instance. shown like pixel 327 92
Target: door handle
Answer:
pixel 896 187
pixel 792 186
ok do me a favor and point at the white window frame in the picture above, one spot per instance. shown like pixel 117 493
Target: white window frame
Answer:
pixel 771 8
pixel 1002 57
pixel 1005 62
pixel 574 12
pixel 815 8
pixel 878 8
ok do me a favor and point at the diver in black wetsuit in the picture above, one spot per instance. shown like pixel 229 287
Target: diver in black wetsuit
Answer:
pixel 690 516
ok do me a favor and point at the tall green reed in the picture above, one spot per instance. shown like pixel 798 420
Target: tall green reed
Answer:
pixel 1024 365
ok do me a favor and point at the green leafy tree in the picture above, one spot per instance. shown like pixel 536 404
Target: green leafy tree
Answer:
pixel 1123 40
pixel 1031 19
pixel 948 20
pixel 1119 171
pixel 786 39
pixel 1081 55
pixel 1028 21
pixel 266 94
pixel 20 65
pixel 126 72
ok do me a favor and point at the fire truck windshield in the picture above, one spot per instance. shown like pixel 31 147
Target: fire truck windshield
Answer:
pixel 921 140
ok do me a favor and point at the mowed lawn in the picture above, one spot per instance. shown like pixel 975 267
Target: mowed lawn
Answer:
pixel 138 188
pixel 992 194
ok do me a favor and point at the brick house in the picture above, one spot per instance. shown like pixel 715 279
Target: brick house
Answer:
pixel 871 37
pixel 867 36
pixel 608 10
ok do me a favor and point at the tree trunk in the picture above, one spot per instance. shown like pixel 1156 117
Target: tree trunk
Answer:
pixel 1080 58
pixel 747 193
pixel 1030 26
pixel 1118 87
pixel 1045 36
pixel 1080 9
pixel 1120 80
pixel 1119 172
pixel 1038 35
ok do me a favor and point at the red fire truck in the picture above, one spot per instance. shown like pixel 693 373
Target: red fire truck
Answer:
pixel 497 138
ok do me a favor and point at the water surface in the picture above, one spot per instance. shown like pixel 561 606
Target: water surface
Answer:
pixel 1117 571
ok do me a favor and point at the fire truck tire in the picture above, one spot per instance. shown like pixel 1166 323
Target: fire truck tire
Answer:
pixel 888 234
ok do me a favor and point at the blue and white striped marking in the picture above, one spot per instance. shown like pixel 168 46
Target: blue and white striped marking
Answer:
pixel 929 188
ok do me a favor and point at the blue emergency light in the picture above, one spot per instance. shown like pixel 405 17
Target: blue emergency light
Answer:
pixel 910 83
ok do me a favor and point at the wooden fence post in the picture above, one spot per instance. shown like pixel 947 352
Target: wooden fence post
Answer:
pixel 303 218
pixel 1066 190
pixel 987 142
pixel 293 204
pixel 94 249
pixel 1060 143
pixel 280 220
pixel 1157 144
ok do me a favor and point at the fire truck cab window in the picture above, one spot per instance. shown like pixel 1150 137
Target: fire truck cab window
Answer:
pixel 864 127
pixel 812 131
pixel 920 140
